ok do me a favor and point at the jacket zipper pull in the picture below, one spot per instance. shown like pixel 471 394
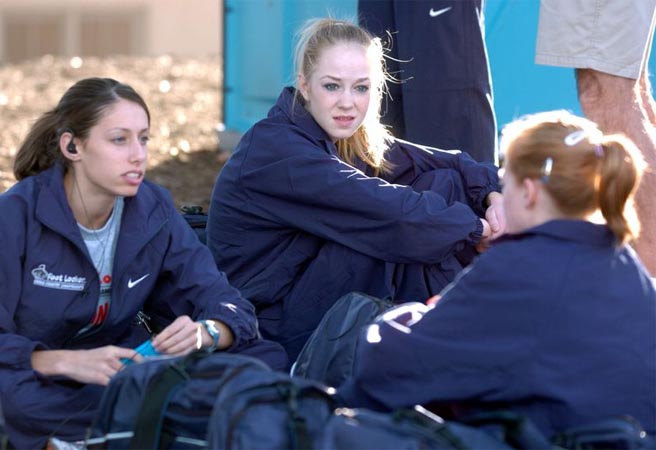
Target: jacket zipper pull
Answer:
pixel 143 319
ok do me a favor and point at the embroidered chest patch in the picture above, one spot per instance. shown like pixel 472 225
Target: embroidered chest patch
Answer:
pixel 57 281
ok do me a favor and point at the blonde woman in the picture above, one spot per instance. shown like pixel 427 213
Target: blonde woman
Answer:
pixel 319 199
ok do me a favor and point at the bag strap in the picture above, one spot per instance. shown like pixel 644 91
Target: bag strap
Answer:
pixel 300 437
pixel 148 425
pixel 511 427
pixel 4 440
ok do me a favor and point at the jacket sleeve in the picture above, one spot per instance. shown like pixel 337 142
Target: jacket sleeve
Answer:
pixel 474 345
pixel 15 350
pixel 409 161
pixel 291 179
pixel 190 283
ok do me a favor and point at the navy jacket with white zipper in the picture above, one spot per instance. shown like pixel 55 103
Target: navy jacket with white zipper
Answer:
pixel 556 322
pixel 50 291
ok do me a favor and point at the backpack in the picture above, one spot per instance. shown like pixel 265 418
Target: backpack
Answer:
pixel 329 354
pixel 165 402
pixel 616 433
pixel 269 410
pixel 197 220
pixel 411 429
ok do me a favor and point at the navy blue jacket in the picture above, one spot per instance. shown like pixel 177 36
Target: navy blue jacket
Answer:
pixel 556 322
pixel 50 291
pixel 295 228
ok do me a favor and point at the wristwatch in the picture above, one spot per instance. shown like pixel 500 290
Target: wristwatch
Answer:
pixel 212 330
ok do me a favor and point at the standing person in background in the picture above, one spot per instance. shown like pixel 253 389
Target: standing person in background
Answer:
pixel 88 246
pixel 437 54
pixel 557 320
pixel 319 200
pixel 608 43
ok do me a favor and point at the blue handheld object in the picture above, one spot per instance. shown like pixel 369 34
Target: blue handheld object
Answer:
pixel 146 349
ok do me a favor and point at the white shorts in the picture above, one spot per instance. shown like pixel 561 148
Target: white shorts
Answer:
pixel 612 36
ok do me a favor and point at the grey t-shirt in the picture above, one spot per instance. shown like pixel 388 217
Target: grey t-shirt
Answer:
pixel 101 244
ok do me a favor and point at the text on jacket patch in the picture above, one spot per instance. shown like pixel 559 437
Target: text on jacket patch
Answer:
pixel 65 282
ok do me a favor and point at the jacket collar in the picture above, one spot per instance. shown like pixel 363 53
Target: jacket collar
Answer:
pixel 143 213
pixel 290 105
pixel 52 208
pixel 143 217
pixel 570 230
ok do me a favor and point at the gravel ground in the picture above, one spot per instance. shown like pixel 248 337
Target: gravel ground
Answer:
pixel 184 97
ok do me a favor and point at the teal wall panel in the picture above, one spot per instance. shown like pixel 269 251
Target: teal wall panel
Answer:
pixel 259 39
pixel 258 51
pixel 521 86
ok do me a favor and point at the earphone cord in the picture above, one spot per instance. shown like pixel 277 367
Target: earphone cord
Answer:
pixel 89 405
pixel 68 419
pixel 98 268
pixel 101 262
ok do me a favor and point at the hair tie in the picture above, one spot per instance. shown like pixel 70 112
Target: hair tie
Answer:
pixel 599 151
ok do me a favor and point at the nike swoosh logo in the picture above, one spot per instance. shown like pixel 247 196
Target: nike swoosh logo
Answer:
pixel 434 13
pixel 132 284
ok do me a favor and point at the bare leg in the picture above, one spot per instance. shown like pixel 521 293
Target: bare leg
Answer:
pixel 645 197
pixel 615 104
pixel 647 97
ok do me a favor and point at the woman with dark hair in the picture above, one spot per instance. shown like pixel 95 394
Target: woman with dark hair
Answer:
pixel 89 248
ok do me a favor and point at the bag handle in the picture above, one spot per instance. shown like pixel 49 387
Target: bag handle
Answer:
pixel 148 425
pixel 432 422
